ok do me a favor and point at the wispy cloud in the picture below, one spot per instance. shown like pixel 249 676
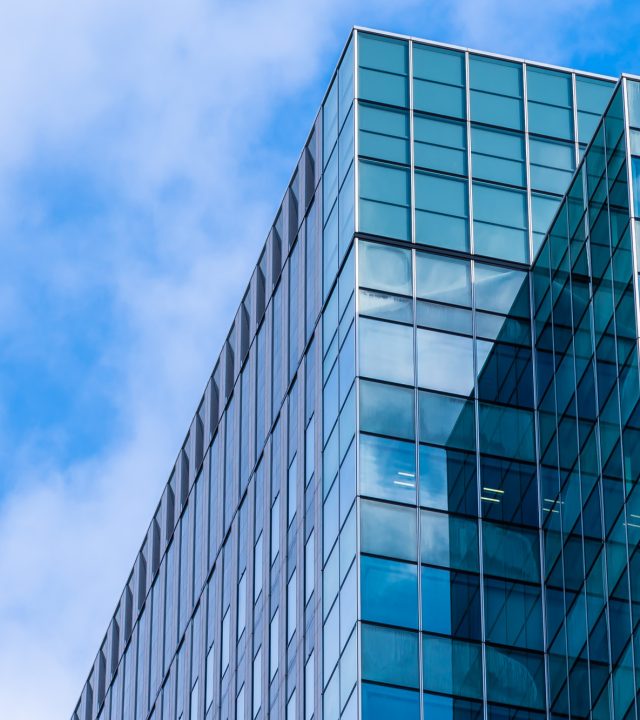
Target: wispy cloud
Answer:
pixel 138 178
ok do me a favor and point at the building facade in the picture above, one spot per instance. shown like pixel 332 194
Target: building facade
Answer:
pixel 409 488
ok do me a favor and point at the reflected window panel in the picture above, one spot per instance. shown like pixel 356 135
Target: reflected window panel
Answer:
pixel 505 373
pixel 550 102
pixel 500 222
pixel 388 530
pixel 508 490
pixel 496 92
pixel 453 667
pixel 498 156
pixel 451 603
pixel 385 200
pixel 438 707
pixel 439 80
pixel 443 279
pixel 447 421
pixel 506 431
pixel 387 469
pixel 511 552
pixel 552 163
pixel 592 97
pixel 441 211
pixel 383 71
pixel 440 144
pixel 449 541
pixel 386 307
pixel 387 410
pixel 384 133
pixel 445 362
pixel 390 656
pixel 509 329
pixel 448 480
pixel 386 351
pixel 389 592
pixel 515 677
pixel 513 614
pixel 444 317
pixel 380 703
pixel 501 290
pixel 386 268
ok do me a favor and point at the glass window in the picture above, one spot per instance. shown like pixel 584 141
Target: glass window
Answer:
pixel 387 469
pixel 550 102
pixel 440 144
pixel 438 81
pixel 382 703
pixel 437 707
pixel 273 644
pixel 500 222
pixel 451 603
pixel 496 92
pixel 444 317
pixel 386 409
pixel 386 351
pixel 390 656
pixel 226 637
pixel 511 552
pixel 448 480
pixel 592 96
pixel 386 307
pixel 505 373
pixel 292 594
pixel 330 121
pixel 501 290
pixel 388 530
pixel 383 267
pixel 449 541
pixel 513 614
pixel 445 362
pixel 509 490
pixel 506 431
pixel 552 163
pixel 384 133
pixel 443 279
pixel 451 666
pixel 543 210
pixel 309 687
pixel 633 101
pixel 384 66
pixel 441 211
pixel 498 156
pixel 389 592
pixel 515 677
pixel 448 421
pixel 385 200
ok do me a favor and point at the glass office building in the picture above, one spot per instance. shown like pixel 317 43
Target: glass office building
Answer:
pixel 409 489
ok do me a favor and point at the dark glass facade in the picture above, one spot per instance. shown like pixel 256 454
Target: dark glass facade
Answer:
pixel 409 488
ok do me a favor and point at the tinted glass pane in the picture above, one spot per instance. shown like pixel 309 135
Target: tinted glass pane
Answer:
pixel 390 656
pixel 387 469
pixel 505 374
pixel 445 362
pixel 500 222
pixel 515 677
pixel 506 431
pixel 550 106
pixel 385 268
pixel 449 541
pixel 437 707
pixel 381 703
pixel 453 667
pixel 384 200
pixel 388 530
pixel 386 351
pixel 552 165
pixel 509 490
pixel 448 480
pixel 496 92
pixel 439 78
pixel 498 156
pixel 501 290
pixel 383 69
pixel 389 592
pixel 511 552
pixel 386 307
pixel 440 144
pixel 386 410
pixel 446 280
pixel 592 96
pixel 441 211
pixel 384 133
pixel 513 614
pixel 451 603
pixel 447 421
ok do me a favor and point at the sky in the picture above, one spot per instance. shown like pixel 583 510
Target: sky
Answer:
pixel 144 149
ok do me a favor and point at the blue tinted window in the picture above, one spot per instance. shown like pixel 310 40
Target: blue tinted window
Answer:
pixel 388 530
pixel 386 351
pixel 550 102
pixel 389 592
pixel 437 707
pixel 439 79
pixel 383 267
pixel 448 480
pixel 592 96
pixel 552 165
pixel 383 71
pixel 440 144
pixel 501 290
pixel 387 469
pixel 500 222
pixel 506 431
pixel 386 410
pixel 441 211
pixel 511 552
pixel 496 92
pixel 384 133
pixel 453 667
pixel 445 362
pixel 451 603
pixel 445 420
pixel 513 614
pixel 523 684
pixel 384 200
pixel 443 279
pixel 498 156
pixel 449 541
pixel 382 703
pixel 390 656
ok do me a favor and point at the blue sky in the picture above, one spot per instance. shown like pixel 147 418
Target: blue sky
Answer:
pixel 143 151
